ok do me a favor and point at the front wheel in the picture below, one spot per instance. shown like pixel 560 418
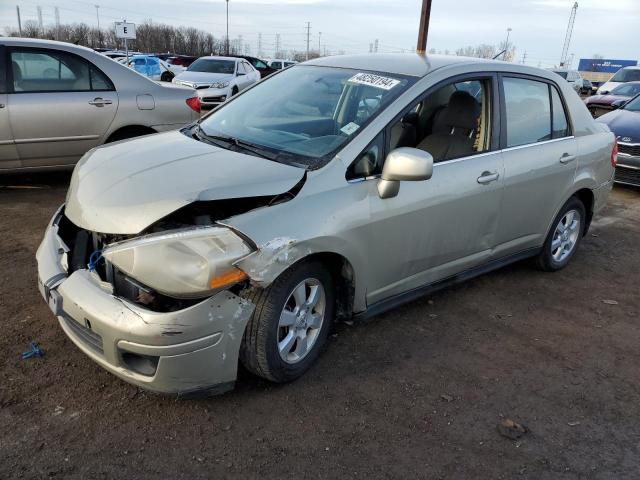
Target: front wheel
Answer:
pixel 564 237
pixel 290 323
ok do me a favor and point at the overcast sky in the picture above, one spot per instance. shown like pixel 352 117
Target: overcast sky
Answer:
pixel 606 27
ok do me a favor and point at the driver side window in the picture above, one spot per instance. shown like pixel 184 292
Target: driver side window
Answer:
pixel 451 122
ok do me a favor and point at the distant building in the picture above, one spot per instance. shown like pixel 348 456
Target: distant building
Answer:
pixel 600 70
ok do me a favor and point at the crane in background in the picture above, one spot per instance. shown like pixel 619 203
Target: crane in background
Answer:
pixel 567 38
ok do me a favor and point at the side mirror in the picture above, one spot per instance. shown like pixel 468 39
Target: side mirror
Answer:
pixel 617 104
pixel 404 164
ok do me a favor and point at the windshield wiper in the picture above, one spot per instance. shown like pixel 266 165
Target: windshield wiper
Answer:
pixel 237 143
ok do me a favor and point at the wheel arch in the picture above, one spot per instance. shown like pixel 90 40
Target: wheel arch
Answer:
pixel 586 196
pixel 129 131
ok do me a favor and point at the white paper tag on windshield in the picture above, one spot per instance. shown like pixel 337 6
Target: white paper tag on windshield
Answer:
pixel 372 80
pixel 349 128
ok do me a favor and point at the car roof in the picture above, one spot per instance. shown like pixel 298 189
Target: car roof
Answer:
pixel 411 64
pixel 219 57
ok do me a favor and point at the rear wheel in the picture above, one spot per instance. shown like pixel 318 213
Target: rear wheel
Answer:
pixel 290 323
pixel 564 237
pixel 166 76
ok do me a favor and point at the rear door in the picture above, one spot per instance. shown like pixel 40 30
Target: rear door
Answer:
pixel 60 105
pixel 8 151
pixel 539 157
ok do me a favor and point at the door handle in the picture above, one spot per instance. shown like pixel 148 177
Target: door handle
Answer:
pixel 566 158
pixel 100 102
pixel 488 177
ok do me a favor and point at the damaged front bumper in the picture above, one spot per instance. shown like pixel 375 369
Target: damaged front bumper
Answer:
pixel 185 351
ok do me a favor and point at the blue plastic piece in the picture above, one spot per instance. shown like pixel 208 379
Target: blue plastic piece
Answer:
pixel 34 351
pixel 94 259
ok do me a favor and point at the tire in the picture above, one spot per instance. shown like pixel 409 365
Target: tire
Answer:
pixel 166 76
pixel 260 351
pixel 234 91
pixel 555 256
pixel 126 133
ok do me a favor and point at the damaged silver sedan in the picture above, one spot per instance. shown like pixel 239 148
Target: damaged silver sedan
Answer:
pixel 337 188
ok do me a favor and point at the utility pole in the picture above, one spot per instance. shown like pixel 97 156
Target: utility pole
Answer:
pixel 277 44
pixel 57 16
pixel 259 44
pixel 98 15
pixel 19 21
pixel 308 33
pixel 39 8
pixel 227 28
pixel 375 46
pixel 423 31
pixel 240 44
pixel 506 44
pixel 319 37
pixel 524 57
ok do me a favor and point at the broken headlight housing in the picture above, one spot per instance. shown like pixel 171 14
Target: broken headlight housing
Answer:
pixel 184 263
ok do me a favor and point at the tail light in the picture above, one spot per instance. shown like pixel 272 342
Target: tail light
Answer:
pixel 614 154
pixel 194 103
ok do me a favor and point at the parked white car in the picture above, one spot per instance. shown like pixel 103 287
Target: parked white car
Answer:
pixel 218 78
pixel 624 75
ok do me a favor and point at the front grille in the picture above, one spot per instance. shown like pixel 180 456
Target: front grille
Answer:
pixel 90 338
pixel 627 175
pixel 633 150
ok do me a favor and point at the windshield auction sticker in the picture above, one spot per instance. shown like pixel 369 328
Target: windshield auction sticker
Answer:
pixel 372 80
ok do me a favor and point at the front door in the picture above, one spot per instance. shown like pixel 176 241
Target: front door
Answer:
pixel 540 162
pixel 440 227
pixel 59 105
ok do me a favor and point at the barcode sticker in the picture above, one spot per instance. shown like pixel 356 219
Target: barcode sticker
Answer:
pixel 372 80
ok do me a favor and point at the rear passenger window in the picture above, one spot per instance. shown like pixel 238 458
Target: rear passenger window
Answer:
pixel 54 71
pixel 528 111
pixel 560 123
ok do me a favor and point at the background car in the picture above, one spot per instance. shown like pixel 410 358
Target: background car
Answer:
pixel 62 100
pixel 260 65
pixel 181 60
pixel 217 78
pixel 579 84
pixel 154 68
pixel 624 75
pixel 625 124
pixel 601 104
pixel 279 64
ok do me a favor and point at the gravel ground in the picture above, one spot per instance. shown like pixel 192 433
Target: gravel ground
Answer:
pixel 415 393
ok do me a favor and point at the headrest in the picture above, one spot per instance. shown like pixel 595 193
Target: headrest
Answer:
pixel 462 112
pixel 17 73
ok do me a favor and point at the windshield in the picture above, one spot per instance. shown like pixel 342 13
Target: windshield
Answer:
pixel 627 90
pixel 209 65
pixel 626 75
pixel 562 73
pixel 305 113
pixel 633 104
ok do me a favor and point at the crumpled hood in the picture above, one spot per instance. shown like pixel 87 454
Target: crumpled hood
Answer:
pixel 623 123
pixel 203 78
pixel 124 187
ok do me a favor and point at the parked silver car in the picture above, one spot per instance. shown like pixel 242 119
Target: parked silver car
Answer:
pixel 58 100
pixel 340 187
pixel 216 79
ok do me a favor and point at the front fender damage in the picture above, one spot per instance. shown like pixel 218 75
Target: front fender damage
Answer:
pixel 271 259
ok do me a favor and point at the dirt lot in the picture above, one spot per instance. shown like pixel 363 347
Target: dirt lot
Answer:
pixel 415 393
